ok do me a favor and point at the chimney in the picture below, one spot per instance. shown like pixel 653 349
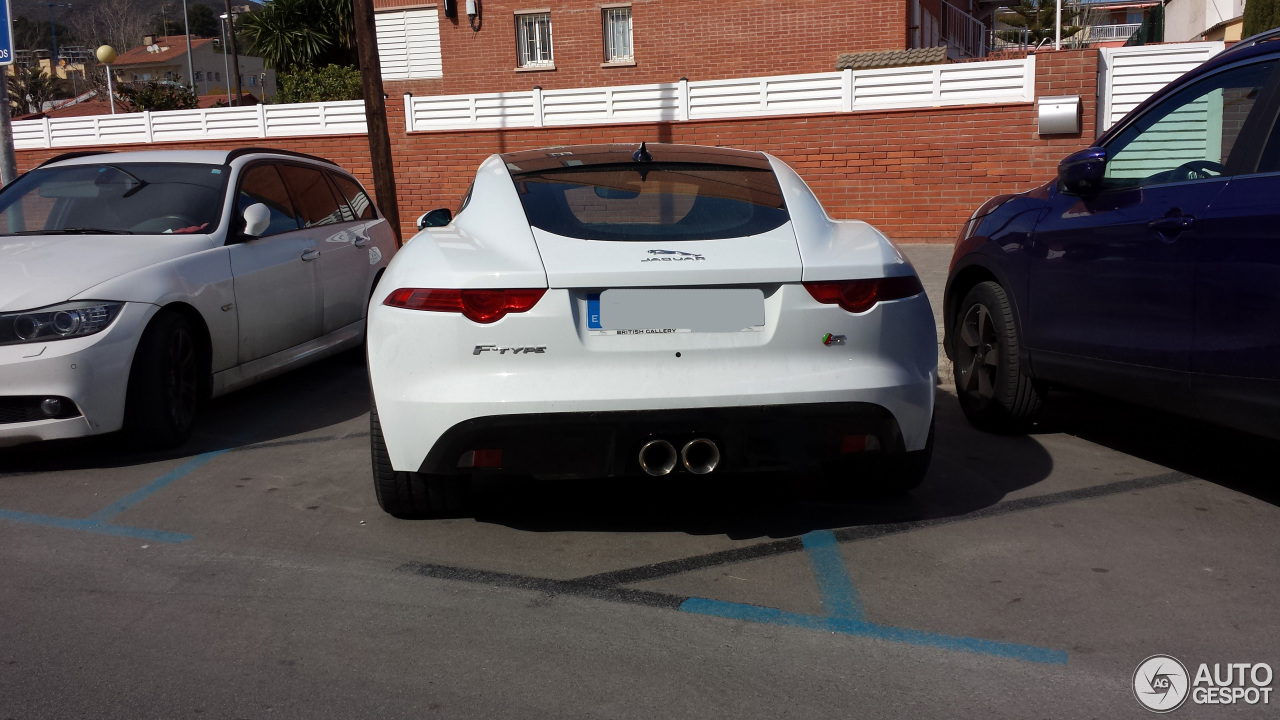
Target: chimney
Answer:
pixel 148 40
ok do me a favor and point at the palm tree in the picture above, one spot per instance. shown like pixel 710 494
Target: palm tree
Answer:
pixel 292 34
pixel 29 89
pixel 1038 18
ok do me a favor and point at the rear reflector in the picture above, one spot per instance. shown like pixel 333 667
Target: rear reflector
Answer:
pixel 858 296
pixel 481 459
pixel 859 443
pixel 482 306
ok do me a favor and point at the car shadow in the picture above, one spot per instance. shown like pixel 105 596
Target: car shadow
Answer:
pixel 970 471
pixel 317 396
pixel 1230 458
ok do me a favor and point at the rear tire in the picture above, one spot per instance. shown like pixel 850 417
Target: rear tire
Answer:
pixel 164 384
pixel 411 495
pixel 996 392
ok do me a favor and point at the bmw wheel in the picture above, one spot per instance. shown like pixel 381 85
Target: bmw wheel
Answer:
pixel 164 384
pixel 995 390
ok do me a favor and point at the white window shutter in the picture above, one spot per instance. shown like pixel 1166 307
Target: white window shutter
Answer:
pixel 409 44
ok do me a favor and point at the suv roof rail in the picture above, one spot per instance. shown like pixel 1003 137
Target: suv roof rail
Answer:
pixel 1262 37
pixel 239 152
pixel 73 155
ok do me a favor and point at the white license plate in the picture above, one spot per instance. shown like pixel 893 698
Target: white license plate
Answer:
pixel 666 310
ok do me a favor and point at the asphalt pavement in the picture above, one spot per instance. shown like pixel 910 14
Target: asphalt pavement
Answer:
pixel 250 574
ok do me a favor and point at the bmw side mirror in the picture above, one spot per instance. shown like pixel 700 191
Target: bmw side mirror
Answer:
pixel 257 217
pixel 436 218
pixel 1081 172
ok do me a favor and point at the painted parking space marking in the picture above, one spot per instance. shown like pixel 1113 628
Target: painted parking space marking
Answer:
pixel 97 522
pixel 844 614
pixel 842 609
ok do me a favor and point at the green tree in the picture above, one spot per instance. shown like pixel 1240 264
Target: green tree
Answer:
pixel 297 34
pixel 156 95
pixel 1038 18
pixel 1260 16
pixel 328 84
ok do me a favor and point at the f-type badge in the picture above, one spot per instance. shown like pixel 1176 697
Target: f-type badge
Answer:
pixel 672 256
pixel 512 350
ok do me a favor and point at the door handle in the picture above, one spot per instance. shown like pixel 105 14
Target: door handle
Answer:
pixel 361 241
pixel 1172 225
pixel 310 254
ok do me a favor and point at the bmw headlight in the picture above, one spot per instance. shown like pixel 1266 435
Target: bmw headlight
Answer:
pixel 69 320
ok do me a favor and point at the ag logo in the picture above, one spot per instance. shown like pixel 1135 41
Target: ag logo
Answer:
pixel 1161 683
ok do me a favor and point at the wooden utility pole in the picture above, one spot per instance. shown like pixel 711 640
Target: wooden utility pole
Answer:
pixel 375 114
pixel 235 55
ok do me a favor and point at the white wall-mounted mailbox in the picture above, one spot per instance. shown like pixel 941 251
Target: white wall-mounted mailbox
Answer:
pixel 1060 115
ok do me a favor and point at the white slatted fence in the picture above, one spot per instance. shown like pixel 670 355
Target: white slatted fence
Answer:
pixel 1129 75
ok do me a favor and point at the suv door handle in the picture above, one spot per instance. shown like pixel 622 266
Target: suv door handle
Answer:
pixel 310 254
pixel 361 241
pixel 1173 224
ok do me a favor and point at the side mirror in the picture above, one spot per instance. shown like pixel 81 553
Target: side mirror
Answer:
pixel 257 218
pixel 1081 172
pixel 436 218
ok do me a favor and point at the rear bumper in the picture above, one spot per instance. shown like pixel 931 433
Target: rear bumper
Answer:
pixel 607 444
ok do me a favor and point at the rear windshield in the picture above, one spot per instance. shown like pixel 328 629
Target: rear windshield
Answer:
pixel 652 201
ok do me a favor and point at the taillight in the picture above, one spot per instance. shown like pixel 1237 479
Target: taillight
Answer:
pixel 482 306
pixel 857 296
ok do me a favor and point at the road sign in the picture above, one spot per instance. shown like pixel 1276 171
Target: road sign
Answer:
pixel 6 34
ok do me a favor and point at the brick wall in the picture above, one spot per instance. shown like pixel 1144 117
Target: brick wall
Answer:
pixel 700 41
pixel 915 174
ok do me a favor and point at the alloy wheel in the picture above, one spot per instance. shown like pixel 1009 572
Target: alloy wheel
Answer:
pixel 181 378
pixel 977 356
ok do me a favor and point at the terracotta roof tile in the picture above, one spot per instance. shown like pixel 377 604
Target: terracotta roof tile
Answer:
pixel 891 58
pixel 171 46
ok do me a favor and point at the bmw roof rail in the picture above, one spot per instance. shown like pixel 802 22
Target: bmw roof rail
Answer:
pixel 240 152
pixel 1262 37
pixel 73 155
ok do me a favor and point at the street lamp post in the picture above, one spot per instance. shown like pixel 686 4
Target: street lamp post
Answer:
pixel 191 68
pixel 53 35
pixel 107 55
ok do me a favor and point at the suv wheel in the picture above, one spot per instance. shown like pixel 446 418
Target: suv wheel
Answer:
pixel 995 390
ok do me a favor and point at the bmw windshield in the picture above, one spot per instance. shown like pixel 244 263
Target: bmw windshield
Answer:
pixel 114 199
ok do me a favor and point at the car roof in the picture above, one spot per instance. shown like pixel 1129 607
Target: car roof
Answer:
pixel 197 157
pixel 581 155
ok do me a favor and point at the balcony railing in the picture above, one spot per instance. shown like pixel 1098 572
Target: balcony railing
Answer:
pixel 963 32
pixel 1109 33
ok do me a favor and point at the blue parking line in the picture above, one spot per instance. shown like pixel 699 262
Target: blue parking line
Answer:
pixel 153 487
pixel 844 613
pixel 839 597
pixel 90 526
pixel 861 628
pixel 97 522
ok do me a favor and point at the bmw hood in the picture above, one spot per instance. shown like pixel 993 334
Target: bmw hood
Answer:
pixel 40 270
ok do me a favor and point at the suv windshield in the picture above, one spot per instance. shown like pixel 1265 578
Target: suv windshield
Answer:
pixel 114 198
pixel 652 201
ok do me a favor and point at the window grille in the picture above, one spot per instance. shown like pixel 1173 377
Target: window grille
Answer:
pixel 617 35
pixel 533 34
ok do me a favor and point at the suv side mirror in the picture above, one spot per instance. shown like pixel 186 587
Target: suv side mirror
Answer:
pixel 257 218
pixel 1081 172
pixel 436 218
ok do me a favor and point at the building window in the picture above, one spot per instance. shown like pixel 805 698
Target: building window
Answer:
pixel 533 37
pixel 217 77
pixel 253 80
pixel 199 75
pixel 617 35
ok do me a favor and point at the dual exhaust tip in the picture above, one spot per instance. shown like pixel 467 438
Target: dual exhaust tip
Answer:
pixel 659 457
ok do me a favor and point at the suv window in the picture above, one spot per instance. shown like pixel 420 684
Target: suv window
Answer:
pixel 262 184
pixel 1189 135
pixel 312 195
pixel 360 204
pixel 652 201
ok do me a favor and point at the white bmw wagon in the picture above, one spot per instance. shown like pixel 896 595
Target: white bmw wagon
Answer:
pixel 598 311
pixel 132 285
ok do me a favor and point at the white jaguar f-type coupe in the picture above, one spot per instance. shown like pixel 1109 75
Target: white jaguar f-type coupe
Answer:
pixel 607 310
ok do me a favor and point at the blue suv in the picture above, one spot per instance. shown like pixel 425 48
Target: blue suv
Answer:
pixel 1148 270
